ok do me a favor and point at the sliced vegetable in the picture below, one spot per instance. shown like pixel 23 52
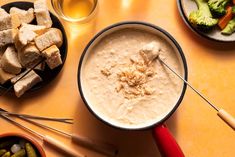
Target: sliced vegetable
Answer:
pixel 7 154
pixel 233 9
pixel 230 27
pixel 30 150
pixel 2 151
pixel 20 153
pixel 226 18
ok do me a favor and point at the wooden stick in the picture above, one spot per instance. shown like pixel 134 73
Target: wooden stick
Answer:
pixel 62 147
pixel 98 146
pixel 228 118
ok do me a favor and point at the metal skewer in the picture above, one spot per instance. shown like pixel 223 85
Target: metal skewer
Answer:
pixel 225 116
pixel 48 140
pixel 98 146
pixel 195 90
pixel 63 120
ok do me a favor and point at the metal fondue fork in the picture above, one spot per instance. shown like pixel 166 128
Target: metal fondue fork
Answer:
pixel 98 146
pixel 47 139
pixel 225 116
pixel 62 120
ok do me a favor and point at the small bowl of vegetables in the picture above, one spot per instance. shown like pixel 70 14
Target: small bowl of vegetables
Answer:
pixel 213 19
pixel 19 145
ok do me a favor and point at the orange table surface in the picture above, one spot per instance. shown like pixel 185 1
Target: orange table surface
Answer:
pixel 195 125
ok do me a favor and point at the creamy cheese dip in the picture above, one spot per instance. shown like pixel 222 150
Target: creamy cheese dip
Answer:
pixel 124 88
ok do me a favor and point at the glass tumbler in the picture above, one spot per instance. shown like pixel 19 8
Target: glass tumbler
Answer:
pixel 75 10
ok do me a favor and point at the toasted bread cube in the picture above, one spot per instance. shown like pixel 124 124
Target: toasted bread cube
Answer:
pixel 52 37
pixel 42 13
pixel 43 18
pixel 23 15
pixel 7 21
pixel 39 30
pixel 40 4
pixel 53 58
pixel 150 51
pixel 7 36
pixel 3 12
pixel 26 36
pixel 17 43
pixel 29 55
pixel 4 76
pixel 10 62
pixel 15 21
pixel 26 82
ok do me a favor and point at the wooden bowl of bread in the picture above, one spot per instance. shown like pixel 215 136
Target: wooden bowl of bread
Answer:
pixel 30 35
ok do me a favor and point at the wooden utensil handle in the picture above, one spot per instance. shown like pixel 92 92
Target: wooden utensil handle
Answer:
pixel 98 146
pixel 228 118
pixel 61 147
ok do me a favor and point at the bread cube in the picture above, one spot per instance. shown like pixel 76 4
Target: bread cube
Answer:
pixel 52 37
pixel 53 57
pixel 23 15
pixel 39 30
pixel 7 21
pixel 26 36
pixel 26 83
pixel 29 55
pixel 7 36
pixel 10 62
pixel 42 13
pixel 40 4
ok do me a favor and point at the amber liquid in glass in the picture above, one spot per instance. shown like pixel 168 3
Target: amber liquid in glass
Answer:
pixel 76 9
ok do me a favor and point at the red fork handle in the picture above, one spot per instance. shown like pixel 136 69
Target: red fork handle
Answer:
pixel 166 143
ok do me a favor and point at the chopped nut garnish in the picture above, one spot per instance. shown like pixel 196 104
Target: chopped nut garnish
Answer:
pixel 106 72
pixel 148 90
pixel 119 87
pixel 149 72
pixel 133 77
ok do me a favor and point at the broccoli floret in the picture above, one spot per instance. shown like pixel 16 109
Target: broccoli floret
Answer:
pixel 202 18
pixel 233 10
pixel 230 27
pixel 218 7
